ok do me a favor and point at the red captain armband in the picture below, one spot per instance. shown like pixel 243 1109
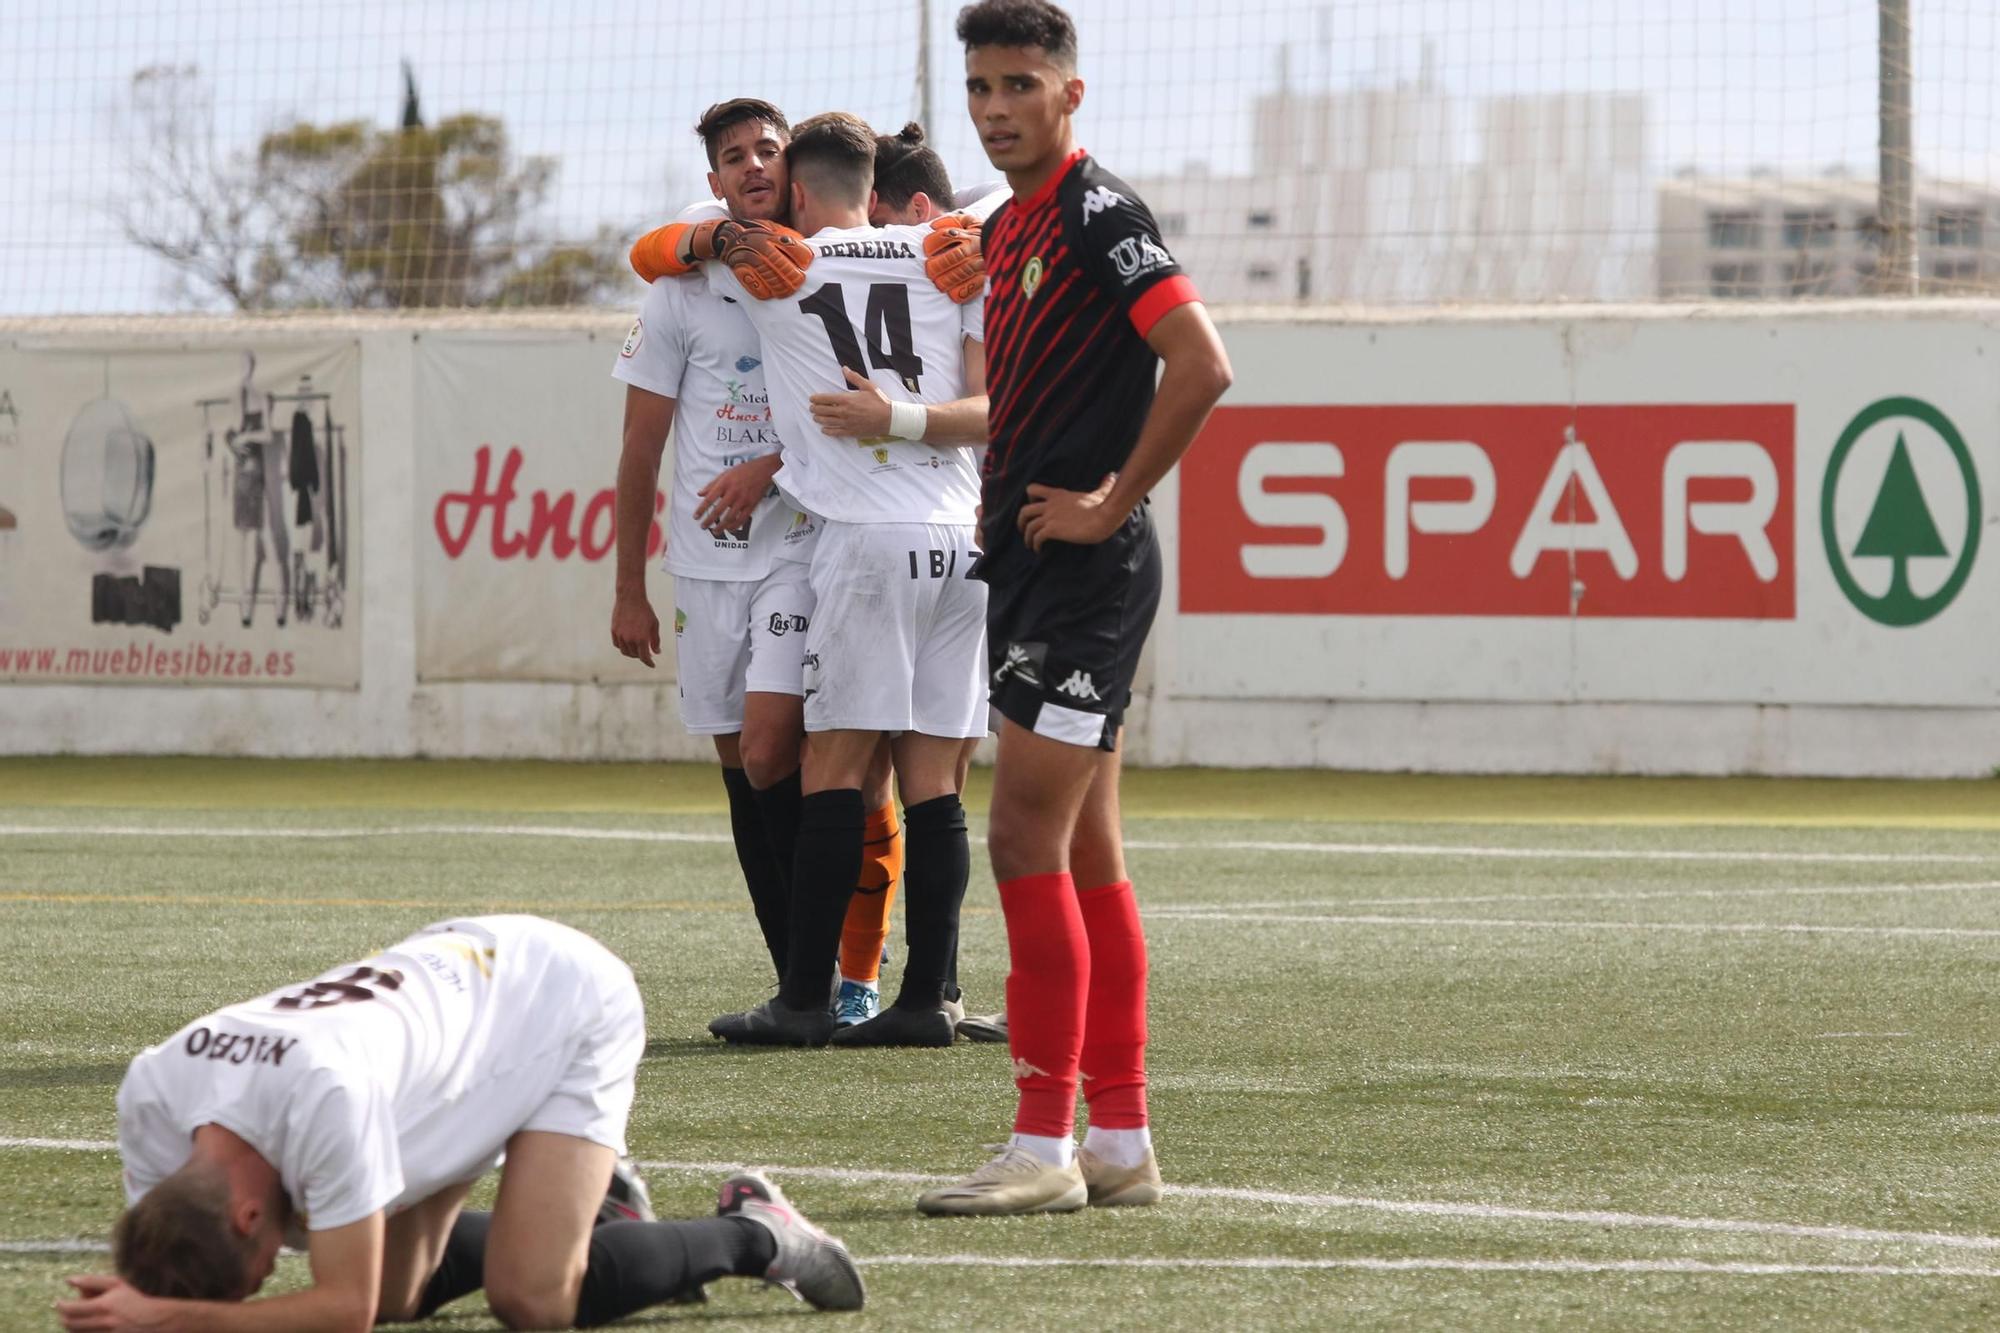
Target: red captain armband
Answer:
pixel 1160 298
pixel 657 253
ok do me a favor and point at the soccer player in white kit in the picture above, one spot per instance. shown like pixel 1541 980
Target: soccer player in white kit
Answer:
pixel 895 642
pixel 735 550
pixel 360 1108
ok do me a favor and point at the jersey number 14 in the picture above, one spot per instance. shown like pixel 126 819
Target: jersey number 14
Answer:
pixel 888 313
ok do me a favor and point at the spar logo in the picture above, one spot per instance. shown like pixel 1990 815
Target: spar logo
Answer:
pixel 1664 511
pixel 1900 511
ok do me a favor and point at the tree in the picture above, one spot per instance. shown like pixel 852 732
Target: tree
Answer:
pixel 349 214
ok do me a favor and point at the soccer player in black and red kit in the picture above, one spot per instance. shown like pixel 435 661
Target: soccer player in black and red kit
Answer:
pixel 1083 304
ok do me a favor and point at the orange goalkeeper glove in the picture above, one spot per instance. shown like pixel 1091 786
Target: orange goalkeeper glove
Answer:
pixel 658 253
pixel 953 258
pixel 769 259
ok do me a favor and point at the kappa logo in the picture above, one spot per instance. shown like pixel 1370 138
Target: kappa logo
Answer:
pixel 1139 254
pixel 1031 276
pixel 633 339
pixel 1097 200
pixel 1079 686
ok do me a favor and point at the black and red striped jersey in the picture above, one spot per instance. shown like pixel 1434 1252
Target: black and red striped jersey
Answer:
pixel 1076 277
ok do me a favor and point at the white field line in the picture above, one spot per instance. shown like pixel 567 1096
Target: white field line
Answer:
pixel 1504 923
pixel 1842 1036
pixel 1144 845
pixel 1407 1207
pixel 1422 1264
pixel 1645 895
pixel 1264 1263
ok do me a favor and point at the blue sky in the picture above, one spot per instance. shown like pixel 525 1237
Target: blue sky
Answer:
pixel 1788 84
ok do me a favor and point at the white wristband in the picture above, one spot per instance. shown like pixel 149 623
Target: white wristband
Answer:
pixel 908 421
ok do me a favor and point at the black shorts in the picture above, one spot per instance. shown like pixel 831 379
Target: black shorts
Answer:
pixel 1063 637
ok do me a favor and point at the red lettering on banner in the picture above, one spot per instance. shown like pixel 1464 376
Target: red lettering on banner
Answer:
pixel 551 516
pixel 1644 511
pixel 601 512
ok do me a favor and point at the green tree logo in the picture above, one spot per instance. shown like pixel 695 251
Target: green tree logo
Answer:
pixel 1900 525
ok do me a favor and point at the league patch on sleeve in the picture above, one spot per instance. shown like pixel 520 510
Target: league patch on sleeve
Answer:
pixel 634 338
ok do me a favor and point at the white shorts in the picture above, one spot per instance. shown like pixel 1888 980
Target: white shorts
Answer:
pixel 732 636
pixel 570 1066
pixel 899 639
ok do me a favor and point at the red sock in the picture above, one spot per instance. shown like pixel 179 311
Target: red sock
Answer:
pixel 1114 1030
pixel 1046 985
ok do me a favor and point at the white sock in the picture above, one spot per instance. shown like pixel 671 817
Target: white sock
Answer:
pixel 847 980
pixel 1053 1150
pixel 1125 1148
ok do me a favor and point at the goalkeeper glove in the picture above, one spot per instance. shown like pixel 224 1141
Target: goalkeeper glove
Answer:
pixel 952 257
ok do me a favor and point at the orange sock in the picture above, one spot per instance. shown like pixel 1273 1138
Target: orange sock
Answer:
pixel 867 927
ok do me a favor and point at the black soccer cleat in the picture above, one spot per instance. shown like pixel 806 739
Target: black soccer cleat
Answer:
pixel 897 1026
pixel 812 1265
pixel 774 1023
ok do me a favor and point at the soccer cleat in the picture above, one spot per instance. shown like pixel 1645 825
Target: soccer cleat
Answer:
pixel 1113 1186
pixel 773 1023
pixel 1013 1183
pixel 897 1026
pixel 627 1199
pixel 984 1027
pixel 810 1264
pixel 954 1009
pixel 855 1002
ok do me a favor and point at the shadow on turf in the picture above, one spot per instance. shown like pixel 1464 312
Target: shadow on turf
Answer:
pixel 62 1076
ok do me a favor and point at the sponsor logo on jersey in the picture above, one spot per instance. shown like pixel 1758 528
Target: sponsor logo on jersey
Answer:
pixel 1139 255
pixel 782 625
pixel 634 338
pixel 746 364
pixel 1031 276
pixel 881 455
pixel 680 622
pixel 1097 200
pixel 1079 686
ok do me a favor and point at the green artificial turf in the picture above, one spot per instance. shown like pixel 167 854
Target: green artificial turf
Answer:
pixel 1453 1041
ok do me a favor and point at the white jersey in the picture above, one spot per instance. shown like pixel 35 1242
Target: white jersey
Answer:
pixel 690 345
pixel 385 1080
pixel 868 304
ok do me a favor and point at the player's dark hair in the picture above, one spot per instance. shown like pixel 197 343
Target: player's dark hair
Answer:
pixel 177 1242
pixel 905 164
pixel 1021 23
pixel 834 153
pixel 723 117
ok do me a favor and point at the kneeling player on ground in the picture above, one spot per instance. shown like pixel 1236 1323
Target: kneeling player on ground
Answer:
pixel 360 1108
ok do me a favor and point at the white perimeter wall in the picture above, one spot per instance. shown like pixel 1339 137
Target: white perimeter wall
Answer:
pixel 393 714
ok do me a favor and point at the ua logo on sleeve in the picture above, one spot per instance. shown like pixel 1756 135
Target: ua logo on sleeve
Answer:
pixel 1137 255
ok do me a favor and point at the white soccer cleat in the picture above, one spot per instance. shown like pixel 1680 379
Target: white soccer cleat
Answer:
pixel 810 1264
pixel 1013 1183
pixel 1114 1186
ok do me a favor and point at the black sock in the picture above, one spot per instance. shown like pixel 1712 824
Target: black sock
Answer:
pixel 936 863
pixel 823 878
pixel 462 1269
pixel 634 1265
pixel 780 804
pixel 770 887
